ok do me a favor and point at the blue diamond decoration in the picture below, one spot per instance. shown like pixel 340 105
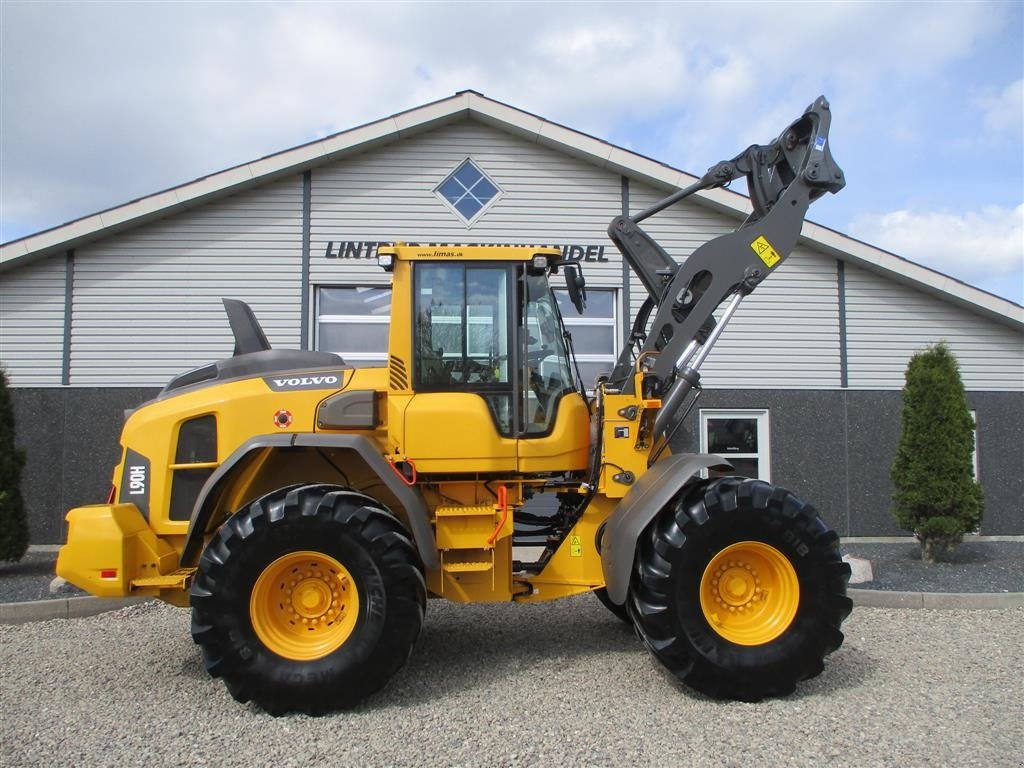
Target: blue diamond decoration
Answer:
pixel 468 190
pixel 451 190
pixel 467 174
pixel 468 207
pixel 483 190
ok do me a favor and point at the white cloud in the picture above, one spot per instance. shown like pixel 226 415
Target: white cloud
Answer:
pixel 1004 112
pixel 105 102
pixel 980 247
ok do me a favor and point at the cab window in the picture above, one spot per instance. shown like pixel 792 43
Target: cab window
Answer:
pixel 546 366
pixel 462 334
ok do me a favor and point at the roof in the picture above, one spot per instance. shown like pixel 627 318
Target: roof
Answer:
pixel 472 105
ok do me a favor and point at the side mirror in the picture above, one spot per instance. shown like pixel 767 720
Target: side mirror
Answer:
pixel 577 286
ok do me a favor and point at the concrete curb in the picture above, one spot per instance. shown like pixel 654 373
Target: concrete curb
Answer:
pixel 67 608
pixel 973 601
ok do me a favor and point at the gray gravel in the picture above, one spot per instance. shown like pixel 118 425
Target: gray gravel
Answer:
pixel 30 579
pixel 562 683
pixel 974 566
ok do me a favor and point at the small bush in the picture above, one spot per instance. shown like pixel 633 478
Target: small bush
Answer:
pixel 13 524
pixel 935 493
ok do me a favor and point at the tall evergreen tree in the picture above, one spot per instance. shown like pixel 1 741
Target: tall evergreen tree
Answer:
pixel 13 524
pixel 935 494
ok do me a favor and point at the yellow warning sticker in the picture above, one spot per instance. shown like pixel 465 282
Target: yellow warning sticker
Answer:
pixel 765 252
pixel 575 547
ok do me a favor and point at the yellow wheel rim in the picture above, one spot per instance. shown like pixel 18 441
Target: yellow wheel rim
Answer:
pixel 304 605
pixel 749 593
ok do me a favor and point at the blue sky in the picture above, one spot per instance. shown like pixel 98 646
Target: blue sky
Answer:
pixel 101 103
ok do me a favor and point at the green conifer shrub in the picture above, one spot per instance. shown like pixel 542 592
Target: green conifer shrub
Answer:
pixel 935 494
pixel 13 523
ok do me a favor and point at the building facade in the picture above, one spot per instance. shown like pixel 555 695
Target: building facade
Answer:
pixel 803 388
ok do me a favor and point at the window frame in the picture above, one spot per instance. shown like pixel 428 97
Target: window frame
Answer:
pixel 469 223
pixel 574 320
pixel 510 310
pixel 366 359
pixel 762 418
pixel 380 359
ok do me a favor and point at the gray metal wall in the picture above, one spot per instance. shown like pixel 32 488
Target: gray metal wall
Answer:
pixel 32 323
pixel 887 322
pixel 145 303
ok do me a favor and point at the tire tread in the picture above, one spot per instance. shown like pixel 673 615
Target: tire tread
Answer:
pixel 686 644
pixel 344 512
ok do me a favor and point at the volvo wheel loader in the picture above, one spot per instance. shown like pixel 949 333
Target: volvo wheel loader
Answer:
pixel 306 509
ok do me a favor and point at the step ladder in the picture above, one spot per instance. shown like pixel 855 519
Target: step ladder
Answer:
pixel 468 537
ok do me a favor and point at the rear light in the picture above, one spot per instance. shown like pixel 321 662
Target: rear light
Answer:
pixel 108 573
pixel 111 494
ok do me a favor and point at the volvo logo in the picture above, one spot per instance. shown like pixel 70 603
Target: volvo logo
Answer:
pixel 289 382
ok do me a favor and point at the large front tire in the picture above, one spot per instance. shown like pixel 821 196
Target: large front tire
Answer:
pixel 308 600
pixel 739 589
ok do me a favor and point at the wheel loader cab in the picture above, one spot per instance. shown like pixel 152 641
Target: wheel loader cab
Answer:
pixel 488 381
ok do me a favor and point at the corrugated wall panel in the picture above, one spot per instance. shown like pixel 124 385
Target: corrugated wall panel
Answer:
pixel 147 302
pixel 680 230
pixel 785 335
pixel 887 322
pixel 32 323
pixel 388 195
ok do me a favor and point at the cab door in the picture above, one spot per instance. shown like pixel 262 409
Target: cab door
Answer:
pixel 462 416
pixel 555 420
pixel 494 387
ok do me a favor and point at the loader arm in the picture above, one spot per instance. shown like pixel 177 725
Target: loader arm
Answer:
pixel 783 179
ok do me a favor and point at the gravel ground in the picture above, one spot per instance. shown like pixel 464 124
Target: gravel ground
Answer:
pixel 562 683
pixel 29 579
pixel 974 566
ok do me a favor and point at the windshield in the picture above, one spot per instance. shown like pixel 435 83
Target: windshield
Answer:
pixel 546 368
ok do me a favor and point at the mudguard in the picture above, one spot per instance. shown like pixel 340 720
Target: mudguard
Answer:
pixel 411 498
pixel 652 492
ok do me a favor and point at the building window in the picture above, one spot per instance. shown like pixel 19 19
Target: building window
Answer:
pixel 354 322
pixel 741 436
pixel 594 333
pixel 468 191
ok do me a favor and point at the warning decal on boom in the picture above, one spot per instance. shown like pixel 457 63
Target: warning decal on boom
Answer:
pixel 765 252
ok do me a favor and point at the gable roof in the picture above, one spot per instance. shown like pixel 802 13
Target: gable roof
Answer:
pixel 472 105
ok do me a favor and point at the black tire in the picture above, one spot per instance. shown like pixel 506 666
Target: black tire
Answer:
pixel 621 612
pixel 674 552
pixel 357 532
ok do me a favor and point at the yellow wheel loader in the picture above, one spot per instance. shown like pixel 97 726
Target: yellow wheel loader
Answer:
pixel 306 510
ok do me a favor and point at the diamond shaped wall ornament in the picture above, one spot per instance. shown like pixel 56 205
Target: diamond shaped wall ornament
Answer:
pixel 468 191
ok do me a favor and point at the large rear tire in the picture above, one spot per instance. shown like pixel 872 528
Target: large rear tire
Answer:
pixel 308 600
pixel 739 589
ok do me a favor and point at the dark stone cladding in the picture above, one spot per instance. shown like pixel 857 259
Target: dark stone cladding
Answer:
pixel 807 449
pixel 832 448
pixel 70 436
